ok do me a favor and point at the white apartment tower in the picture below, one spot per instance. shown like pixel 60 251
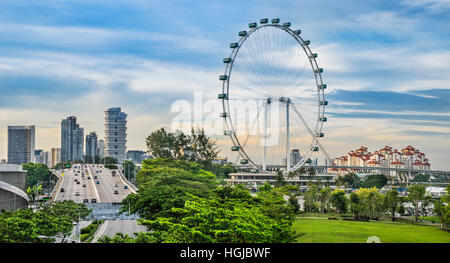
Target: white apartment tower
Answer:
pixel 115 134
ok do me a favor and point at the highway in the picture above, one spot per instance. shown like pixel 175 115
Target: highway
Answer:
pixel 102 192
pixel 89 175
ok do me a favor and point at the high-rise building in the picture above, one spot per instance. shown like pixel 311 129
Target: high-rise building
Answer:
pixel 72 140
pixel 55 157
pixel 91 148
pixel 39 156
pixel 101 148
pixel 295 157
pixel 21 140
pixel 115 131
pixel 46 158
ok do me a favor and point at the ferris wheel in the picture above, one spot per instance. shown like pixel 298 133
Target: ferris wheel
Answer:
pixel 273 97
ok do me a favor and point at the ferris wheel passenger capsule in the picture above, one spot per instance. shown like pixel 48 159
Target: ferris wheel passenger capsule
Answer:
pixel 316 149
pixel 223 115
pixel 242 33
pixel 234 45
pixel 319 70
pixel 323 86
pixel 244 161
pixel 308 161
pixel 275 21
pixel 320 134
pixel 323 102
pixel 223 77
pixel 264 21
pixel 228 133
pixel 313 55
pixel 235 148
pixel 297 32
pixel 227 60
pixel 306 42
pixel 252 25
pixel 287 24
pixel 222 96
pixel 323 119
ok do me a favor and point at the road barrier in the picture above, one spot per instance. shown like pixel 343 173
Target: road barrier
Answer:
pixel 107 211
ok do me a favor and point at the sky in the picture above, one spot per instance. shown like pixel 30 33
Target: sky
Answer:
pixel 387 65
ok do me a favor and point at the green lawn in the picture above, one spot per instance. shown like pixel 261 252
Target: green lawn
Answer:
pixel 322 230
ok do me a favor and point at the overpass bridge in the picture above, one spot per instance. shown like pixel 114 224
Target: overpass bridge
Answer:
pixel 403 175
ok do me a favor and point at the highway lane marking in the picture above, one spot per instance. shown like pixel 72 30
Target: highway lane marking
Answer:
pixel 121 179
pixel 100 231
pixel 92 181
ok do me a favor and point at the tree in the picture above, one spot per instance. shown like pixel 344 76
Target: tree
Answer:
pixel 310 198
pixel 163 144
pixel 225 220
pixel 293 201
pixel 26 225
pixel 88 159
pixel 415 194
pixel 393 202
pixel 355 206
pixel 339 201
pixel 349 180
pixel 324 198
pixel 375 180
pixel 166 183
pixel 196 147
pixel 371 203
pixel 108 160
pixel 37 173
pixel 34 191
pixel 67 208
pixel 129 169
pixel 279 179
pixel 62 165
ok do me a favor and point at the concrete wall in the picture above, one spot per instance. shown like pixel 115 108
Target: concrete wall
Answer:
pixel 13 176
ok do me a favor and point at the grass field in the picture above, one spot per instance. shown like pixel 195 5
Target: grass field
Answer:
pixel 321 230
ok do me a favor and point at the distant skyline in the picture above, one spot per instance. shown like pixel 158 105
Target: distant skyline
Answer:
pixel 386 65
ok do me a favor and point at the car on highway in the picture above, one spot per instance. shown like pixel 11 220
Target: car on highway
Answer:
pixel 93 200
pixel 98 182
pixel 78 182
pixel 85 200
pixel 125 187
pixel 115 185
pixel 77 194
pixel 116 192
pixel 89 177
pixel 84 185
pixel 95 177
pixel 62 190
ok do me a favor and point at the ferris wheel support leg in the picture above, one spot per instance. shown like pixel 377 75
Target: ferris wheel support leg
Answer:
pixel 288 155
pixel 265 137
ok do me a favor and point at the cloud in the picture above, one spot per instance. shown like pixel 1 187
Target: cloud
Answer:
pixel 434 6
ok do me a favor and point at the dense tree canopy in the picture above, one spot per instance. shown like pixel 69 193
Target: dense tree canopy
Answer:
pixel 196 147
pixel 227 215
pixel 167 183
pixel 37 173
pixel 26 226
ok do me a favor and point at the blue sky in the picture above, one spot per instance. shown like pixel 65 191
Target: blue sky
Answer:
pixel 387 65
